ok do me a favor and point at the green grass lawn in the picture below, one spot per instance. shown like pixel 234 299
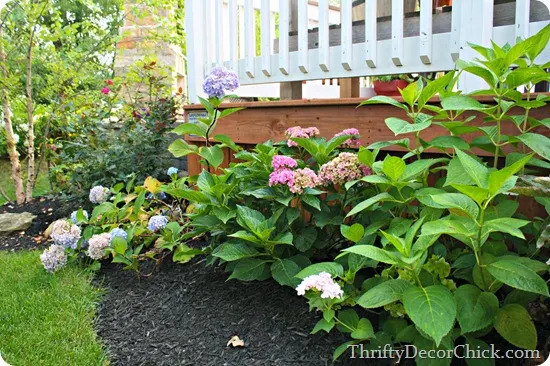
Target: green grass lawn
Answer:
pixel 41 188
pixel 47 319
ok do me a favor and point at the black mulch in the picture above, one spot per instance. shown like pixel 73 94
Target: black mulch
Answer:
pixel 186 314
pixel 47 211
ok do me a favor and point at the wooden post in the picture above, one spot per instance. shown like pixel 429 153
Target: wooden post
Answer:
pixel 349 88
pixel 293 89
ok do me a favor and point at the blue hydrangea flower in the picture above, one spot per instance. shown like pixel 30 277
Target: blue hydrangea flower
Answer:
pixel 172 170
pixel 157 222
pixel 218 81
pixel 73 216
pixel 160 196
pixel 118 232
pixel 65 234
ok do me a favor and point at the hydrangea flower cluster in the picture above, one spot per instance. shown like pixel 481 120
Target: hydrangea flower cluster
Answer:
pixel 304 178
pixel 172 170
pixel 117 232
pixel 343 168
pixel 282 161
pixel 218 81
pixel 353 142
pixel 99 194
pixel 74 213
pixel 54 258
pixel 322 282
pixel 296 180
pixel 97 245
pixel 300 132
pixel 157 222
pixel 281 176
pixel 65 234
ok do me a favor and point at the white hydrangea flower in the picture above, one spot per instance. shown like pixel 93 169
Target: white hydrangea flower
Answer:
pixel 322 282
pixel 65 234
pixel 97 245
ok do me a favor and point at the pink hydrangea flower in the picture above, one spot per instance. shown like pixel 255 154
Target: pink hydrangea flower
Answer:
pixel 343 168
pixel 322 282
pixel 283 162
pixel 97 245
pixel 304 178
pixel 353 142
pixel 282 176
pixel 105 90
pixel 300 132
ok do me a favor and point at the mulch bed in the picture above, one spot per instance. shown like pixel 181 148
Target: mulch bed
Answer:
pixel 186 314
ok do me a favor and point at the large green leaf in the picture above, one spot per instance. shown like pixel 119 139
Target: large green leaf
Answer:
pixel 353 233
pixel 181 148
pixel 212 154
pixel 457 201
pixel 538 143
pixel 250 219
pixel 335 269
pixel 475 309
pixel 384 196
pixel 477 171
pixel 381 99
pixel 505 225
pixel 373 252
pixel 432 309
pixel 284 272
pixel 234 251
pixel 393 167
pixel 249 269
pixel 498 178
pixel 456 174
pixel 514 324
pixel 399 126
pixel 190 128
pixel 461 102
pixel 517 275
pixel 363 330
pixel 449 142
pixel 384 293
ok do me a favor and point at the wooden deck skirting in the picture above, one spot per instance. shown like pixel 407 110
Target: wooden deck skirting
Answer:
pixel 263 121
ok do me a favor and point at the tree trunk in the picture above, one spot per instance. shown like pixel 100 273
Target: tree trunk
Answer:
pixel 12 150
pixel 30 137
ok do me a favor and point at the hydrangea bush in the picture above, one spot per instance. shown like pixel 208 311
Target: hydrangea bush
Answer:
pixel 128 224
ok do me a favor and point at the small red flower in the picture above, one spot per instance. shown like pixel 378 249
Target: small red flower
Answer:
pixel 105 91
pixel 109 82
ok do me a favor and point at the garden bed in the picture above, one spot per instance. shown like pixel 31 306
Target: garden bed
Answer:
pixel 186 314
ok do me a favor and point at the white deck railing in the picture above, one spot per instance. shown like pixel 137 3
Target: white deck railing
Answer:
pixel 223 32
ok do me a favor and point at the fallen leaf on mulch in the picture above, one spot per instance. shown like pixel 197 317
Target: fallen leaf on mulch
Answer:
pixel 235 341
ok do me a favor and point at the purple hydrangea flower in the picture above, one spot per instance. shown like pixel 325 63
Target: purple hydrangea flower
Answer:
pixel 172 170
pixel 73 216
pixel 117 232
pixel 157 222
pixel 54 258
pixel 218 81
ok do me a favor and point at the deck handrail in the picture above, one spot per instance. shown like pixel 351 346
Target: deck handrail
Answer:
pixel 223 32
